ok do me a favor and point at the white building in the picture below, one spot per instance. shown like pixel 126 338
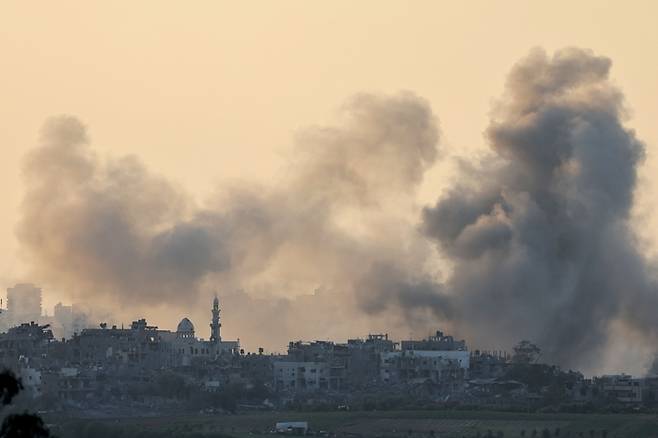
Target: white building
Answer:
pixel 187 346
pixel 622 387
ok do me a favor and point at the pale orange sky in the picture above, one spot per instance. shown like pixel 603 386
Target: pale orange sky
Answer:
pixel 206 92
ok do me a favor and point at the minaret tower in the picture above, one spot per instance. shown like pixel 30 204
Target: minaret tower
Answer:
pixel 215 325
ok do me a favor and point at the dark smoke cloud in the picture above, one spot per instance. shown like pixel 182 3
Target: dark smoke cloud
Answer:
pixel 539 236
pixel 114 232
pixel 536 236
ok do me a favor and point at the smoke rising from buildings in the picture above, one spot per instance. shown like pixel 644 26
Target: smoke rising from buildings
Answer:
pixel 536 234
pixel 112 231
pixel 539 235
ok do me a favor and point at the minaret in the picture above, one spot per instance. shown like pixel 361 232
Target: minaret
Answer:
pixel 215 325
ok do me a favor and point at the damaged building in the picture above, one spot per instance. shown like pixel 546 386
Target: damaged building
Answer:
pixel 112 367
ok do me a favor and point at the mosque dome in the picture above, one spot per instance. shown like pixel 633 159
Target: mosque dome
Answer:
pixel 185 326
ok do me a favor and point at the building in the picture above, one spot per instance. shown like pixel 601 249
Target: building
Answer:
pixel 438 342
pixel 364 359
pixel 403 366
pixel 23 303
pixel 622 388
pixel 335 356
pixel 28 340
pixel 488 364
pixel 437 359
pixel 63 321
pixel 140 344
pixel 301 376
pixel 146 346
pixel 70 320
pixel 188 348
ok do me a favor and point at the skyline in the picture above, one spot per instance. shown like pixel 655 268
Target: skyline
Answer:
pixel 198 137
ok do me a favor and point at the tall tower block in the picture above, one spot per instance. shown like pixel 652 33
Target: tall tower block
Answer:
pixel 215 325
pixel 24 303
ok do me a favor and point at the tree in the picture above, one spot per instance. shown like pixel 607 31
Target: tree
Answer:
pixel 10 386
pixel 23 425
pixel 172 385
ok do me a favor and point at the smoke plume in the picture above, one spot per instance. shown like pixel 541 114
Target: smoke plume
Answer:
pixel 536 235
pixel 307 253
pixel 539 232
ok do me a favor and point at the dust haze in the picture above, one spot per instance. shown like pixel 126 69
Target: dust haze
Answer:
pixel 536 234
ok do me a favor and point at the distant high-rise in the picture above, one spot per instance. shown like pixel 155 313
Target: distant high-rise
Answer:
pixel 23 303
pixel 63 318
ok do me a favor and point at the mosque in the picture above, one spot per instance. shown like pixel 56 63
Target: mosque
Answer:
pixel 187 346
pixel 149 346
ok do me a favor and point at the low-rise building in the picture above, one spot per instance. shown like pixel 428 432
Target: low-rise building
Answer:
pixel 301 376
pixel 622 388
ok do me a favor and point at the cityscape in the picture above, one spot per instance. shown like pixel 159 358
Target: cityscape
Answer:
pixel 341 219
pixel 95 369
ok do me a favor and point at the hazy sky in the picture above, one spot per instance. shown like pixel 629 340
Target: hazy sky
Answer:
pixel 207 92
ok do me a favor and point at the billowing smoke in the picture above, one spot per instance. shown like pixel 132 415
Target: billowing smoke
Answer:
pixel 536 236
pixel 109 228
pixel 539 231
pixel 298 258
